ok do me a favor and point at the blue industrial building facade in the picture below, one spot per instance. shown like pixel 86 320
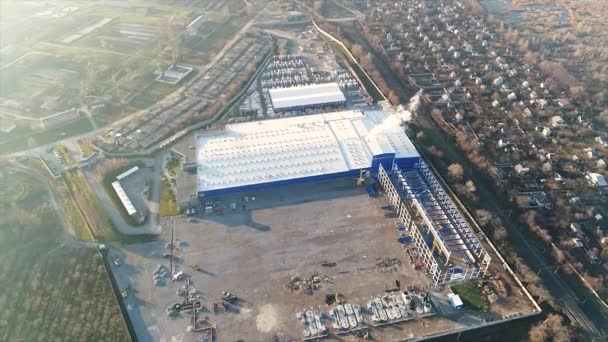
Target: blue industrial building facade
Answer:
pixel 386 160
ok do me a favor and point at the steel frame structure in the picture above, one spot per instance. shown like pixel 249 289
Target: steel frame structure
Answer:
pixel 416 193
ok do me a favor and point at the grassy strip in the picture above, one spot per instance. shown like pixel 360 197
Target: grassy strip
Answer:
pixel 85 148
pixel 98 219
pixel 73 215
pixel 471 296
pixel 168 203
pixel 173 166
pixel 65 155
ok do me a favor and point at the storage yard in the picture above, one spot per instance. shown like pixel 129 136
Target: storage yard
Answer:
pixel 338 252
pixel 308 78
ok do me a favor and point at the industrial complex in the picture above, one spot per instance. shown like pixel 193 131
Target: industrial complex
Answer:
pixel 254 155
pixel 309 170
pixel 372 144
pixel 329 224
pixel 309 214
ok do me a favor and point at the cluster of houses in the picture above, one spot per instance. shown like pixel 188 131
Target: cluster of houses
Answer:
pixel 547 146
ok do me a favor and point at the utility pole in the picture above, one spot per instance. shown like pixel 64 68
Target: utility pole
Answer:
pixel 172 248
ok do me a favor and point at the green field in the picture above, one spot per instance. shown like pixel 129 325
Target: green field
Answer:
pixel 471 296
pixel 153 93
pixel 54 288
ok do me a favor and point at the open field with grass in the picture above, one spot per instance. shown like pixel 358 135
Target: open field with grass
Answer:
pixel 53 287
pixel 42 83
pixel 85 147
pixel 102 55
pixel 168 203
pixel 471 296
pixel 21 139
pixel 91 207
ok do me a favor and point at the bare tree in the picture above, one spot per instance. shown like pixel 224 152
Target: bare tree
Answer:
pixel 393 98
pixel 470 185
pixel 435 152
pixel 357 51
pixel 483 216
pixel 500 234
pixel 456 171
pixel 603 117
pixel 551 329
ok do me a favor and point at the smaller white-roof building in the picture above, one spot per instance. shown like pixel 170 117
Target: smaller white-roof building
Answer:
pixel 127 173
pixel 124 198
pixel 313 95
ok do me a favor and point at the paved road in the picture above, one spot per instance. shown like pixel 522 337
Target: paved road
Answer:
pixel 151 225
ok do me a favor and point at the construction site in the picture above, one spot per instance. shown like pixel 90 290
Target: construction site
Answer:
pixel 311 215
pixel 261 268
pixel 369 241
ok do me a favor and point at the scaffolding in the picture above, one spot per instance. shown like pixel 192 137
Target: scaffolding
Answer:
pixel 436 226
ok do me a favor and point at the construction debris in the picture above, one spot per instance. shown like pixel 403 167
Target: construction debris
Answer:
pixel 229 297
pixel 307 285
pixel 160 275
pixel 389 262
pixel 179 276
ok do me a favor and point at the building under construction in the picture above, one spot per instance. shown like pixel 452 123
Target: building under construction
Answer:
pixel 258 155
pixel 444 243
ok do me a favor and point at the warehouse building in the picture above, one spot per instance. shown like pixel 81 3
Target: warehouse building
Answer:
pixel 307 97
pixel 255 155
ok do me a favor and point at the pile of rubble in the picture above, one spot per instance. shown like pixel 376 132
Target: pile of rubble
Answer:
pixel 192 300
pixel 487 290
pixel 389 262
pixel 227 299
pixel 307 285
pixel 160 275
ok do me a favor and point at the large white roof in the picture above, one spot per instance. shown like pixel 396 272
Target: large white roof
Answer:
pixel 297 147
pixel 307 95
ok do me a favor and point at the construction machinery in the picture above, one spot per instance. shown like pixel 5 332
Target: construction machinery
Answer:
pixel 361 178
pixel 229 297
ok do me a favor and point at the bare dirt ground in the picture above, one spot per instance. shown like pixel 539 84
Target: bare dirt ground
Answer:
pixel 254 251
